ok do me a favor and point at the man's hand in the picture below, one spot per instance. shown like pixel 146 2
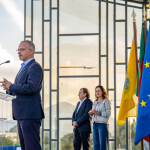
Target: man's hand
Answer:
pixel 75 124
pixel 5 84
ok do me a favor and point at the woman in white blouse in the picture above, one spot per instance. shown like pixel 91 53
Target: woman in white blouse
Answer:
pixel 101 111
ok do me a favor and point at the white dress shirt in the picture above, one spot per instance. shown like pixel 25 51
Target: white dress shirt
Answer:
pixel 81 101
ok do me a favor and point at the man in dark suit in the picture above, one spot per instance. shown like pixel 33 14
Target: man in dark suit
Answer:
pixel 81 121
pixel 27 107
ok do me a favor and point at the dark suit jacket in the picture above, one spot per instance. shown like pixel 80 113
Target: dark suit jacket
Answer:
pixel 27 87
pixel 82 117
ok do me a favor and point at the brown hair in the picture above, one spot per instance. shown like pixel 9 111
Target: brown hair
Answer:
pixel 85 90
pixel 104 95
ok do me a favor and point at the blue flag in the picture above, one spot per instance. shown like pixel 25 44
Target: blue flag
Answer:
pixel 143 118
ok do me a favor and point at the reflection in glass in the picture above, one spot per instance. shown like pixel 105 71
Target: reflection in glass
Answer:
pixel 46 9
pixel 46 45
pixel 54 49
pixel 46 98
pixel 110 47
pixel 120 79
pixel 66 135
pixel 120 138
pixel 111 145
pixel 78 16
pixel 37 25
pixel 38 58
pixel 28 17
pixel 79 55
pixel 112 117
pixel 53 145
pixel 68 93
pixel 46 140
pixel 54 115
pixel 131 134
pixel 120 42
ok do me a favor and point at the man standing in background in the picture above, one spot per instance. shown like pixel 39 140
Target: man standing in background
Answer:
pixel 81 121
pixel 27 106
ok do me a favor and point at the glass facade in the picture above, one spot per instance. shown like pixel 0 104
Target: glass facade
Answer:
pixel 81 43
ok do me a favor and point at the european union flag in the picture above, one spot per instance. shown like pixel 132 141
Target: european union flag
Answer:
pixel 143 118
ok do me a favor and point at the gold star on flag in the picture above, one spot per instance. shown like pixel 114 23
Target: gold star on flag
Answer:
pixel 148 96
pixel 147 64
pixel 143 103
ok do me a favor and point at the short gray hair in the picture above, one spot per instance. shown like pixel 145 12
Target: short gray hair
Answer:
pixel 31 44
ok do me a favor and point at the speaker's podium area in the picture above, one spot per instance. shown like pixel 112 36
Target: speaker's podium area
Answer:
pixel 9 139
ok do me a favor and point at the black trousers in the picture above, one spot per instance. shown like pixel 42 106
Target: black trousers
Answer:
pixel 29 134
pixel 81 138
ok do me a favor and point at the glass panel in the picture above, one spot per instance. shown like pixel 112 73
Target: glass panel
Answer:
pixel 111 145
pixel 54 115
pixel 111 47
pixel 46 98
pixel 54 49
pixel 120 79
pixel 1 131
pixel 120 138
pixel 68 93
pixel 66 135
pixel 38 58
pixel 78 16
pixel 54 3
pixel 131 134
pixel 79 55
pixel 120 42
pixel 46 45
pixel 120 1
pixel 41 140
pixel 46 9
pixel 103 72
pixel 1 108
pixel 53 145
pixel 111 119
pixel 130 25
pixel 148 25
pixel 28 17
pixel 46 140
pixel 29 39
pixel 120 12
pixel 37 25
pixel 134 4
pixel 103 28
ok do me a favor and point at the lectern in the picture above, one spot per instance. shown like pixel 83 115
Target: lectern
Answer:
pixel 6 125
pixel 6 97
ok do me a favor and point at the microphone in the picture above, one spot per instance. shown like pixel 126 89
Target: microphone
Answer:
pixel 8 61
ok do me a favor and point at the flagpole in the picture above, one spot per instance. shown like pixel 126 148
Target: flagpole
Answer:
pixel 135 39
pixel 145 23
pixel 145 38
pixel 136 60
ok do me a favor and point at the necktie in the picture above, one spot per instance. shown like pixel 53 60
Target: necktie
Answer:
pixel 23 65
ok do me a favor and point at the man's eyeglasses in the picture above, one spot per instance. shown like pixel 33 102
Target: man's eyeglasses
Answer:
pixel 21 50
